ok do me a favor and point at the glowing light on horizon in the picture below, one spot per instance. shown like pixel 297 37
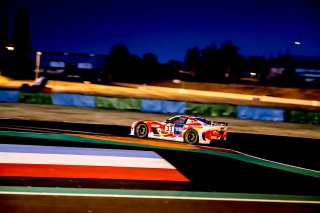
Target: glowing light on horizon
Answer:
pixel 10 47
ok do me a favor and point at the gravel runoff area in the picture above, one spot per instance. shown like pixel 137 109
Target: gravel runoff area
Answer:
pixel 126 118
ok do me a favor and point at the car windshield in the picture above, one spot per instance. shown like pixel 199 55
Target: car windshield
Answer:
pixel 204 120
pixel 177 120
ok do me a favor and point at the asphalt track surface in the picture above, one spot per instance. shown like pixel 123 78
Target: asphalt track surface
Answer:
pixel 207 173
pixel 68 204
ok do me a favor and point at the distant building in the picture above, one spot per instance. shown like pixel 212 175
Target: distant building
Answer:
pixel 295 70
pixel 307 67
pixel 73 66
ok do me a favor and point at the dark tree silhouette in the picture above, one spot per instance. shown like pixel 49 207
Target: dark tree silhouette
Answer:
pixel 124 67
pixel 136 69
pixel 208 70
pixel 150 68
pixel 192 59
pixel 231 62
pixel 210 64
pixel 175 64
pixel 215 65
pixel 289 77
pixel 4 40
pixel 22 45
pixel 259 65
pixel 118 63
pixel 170 69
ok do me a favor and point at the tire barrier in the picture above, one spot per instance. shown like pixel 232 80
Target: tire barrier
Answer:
pixel 35 98
pixel 163 106
pixel 218 110
pixel 73 100
pixel 9 96
pixel 306 117
pixel 260 113
pixel 118 103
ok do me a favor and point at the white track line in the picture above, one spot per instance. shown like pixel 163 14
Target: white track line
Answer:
pixel 83 160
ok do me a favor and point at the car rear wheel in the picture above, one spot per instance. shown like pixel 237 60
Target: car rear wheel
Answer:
pixel 191 137
pixel 141 130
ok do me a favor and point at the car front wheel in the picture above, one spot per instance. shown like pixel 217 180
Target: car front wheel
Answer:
pixel 141 130
pixel 191 137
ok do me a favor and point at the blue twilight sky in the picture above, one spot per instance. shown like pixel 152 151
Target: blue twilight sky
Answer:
pixel 168 28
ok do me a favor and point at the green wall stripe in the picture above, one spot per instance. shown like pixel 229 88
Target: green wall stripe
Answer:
pixel 118 103
pixel 216 110
pixel 35 98
pixel 158 193
pixel 306 117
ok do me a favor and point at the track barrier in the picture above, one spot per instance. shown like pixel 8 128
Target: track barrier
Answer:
pixel 218 110
pixel 304 117
pixel 73 100
pixel 35 98
pixel 174 107
pixel 260 113
pixel 9 96
pixel 118 103
pixel 148 105
pixel 162 106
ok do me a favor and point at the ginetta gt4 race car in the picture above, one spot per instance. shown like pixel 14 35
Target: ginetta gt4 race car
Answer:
pixel 182 128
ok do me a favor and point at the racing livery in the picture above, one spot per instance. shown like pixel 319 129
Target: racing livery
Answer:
pixel 182 128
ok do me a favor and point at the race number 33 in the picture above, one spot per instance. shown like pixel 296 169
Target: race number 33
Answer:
pixel 169 128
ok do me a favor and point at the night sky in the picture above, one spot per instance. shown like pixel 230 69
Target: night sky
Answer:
pixel 168 28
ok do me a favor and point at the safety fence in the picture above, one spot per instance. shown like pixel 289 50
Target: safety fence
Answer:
pixel 162 106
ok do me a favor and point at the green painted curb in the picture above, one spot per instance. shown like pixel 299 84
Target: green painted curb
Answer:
pixel 158 193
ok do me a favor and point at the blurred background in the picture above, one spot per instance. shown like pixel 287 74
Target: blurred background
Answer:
pixel 273 43
pixel 79 73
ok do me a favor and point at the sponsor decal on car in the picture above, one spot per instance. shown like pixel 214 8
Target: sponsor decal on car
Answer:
pixel 155 125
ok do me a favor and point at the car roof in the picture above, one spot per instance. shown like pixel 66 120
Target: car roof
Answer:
pixel 194 117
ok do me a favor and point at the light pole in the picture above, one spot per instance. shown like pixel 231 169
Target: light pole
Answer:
pixel 38 56
pixel 9 55
pixel 296 47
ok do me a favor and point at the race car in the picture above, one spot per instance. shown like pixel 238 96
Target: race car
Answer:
pixel 181 128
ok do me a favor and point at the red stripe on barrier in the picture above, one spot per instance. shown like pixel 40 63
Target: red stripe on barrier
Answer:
pixel 94 172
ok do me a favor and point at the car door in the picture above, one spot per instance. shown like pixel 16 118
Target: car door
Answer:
pixel 169 129
pixel 178 128
pixel 173 126
pixel 179 125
